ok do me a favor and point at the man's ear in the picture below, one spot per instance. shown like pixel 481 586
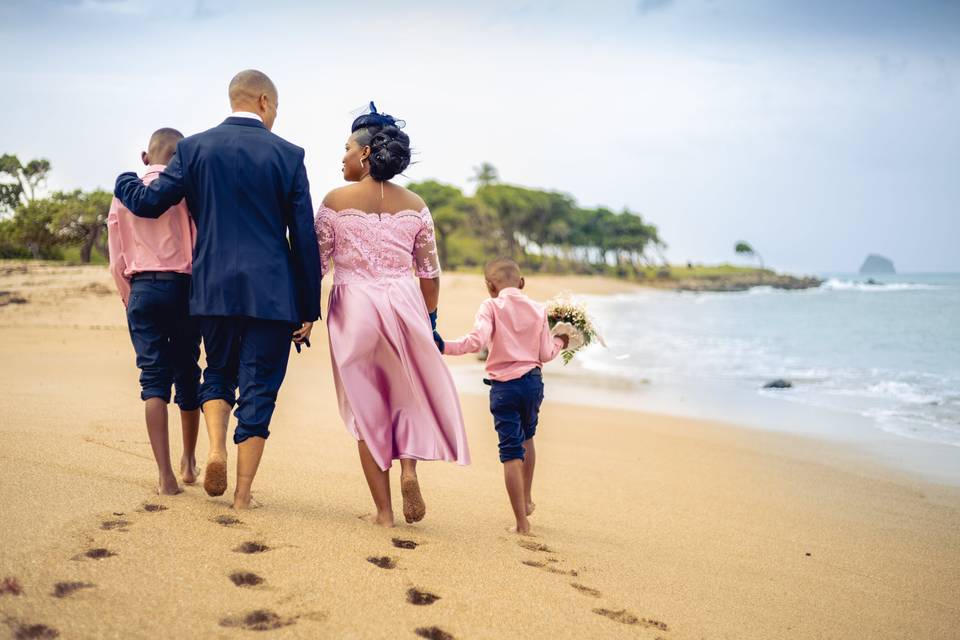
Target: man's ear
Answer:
pixel 145 158
pixel 522 282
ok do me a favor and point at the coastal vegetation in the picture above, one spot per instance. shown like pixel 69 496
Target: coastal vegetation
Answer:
pixel 544 231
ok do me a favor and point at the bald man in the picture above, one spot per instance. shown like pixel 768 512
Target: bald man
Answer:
pixel 256 266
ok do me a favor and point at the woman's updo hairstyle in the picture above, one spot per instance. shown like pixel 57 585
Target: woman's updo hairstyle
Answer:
pixel 389 146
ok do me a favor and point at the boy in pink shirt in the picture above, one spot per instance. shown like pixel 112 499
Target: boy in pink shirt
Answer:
pixel 516 330
pixel 151 261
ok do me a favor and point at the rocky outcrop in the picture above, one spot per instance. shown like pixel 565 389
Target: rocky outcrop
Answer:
pixel 877 264
pixel 741 282
pixel 779 383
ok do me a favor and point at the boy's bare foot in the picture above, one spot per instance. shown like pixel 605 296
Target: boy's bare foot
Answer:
pixel 531 506
pixel 189 470
pixel 215 475
pixel 413 506
pixel 168 486
pixel 384 520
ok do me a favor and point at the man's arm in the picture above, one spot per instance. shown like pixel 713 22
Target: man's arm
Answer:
pixel 477 338
pixel 151 201
pixel 304 247
pixel 118 263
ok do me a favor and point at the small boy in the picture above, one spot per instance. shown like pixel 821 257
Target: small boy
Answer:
pixel 516 330
pixel 151 261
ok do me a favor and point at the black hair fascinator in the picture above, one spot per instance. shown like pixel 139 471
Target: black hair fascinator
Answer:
pixel 369 117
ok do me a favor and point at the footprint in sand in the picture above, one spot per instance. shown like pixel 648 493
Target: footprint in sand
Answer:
pixel 153 508
pixel 543 565
pixel 625 617
pixel 384 562
pixel 530 545
pixel 252 547
pixel 28 631
pixel 99 553
pixel 433 633
pixel 590 591
pixel 420 598
pixel 64 589
pixel 226 521
pixel 115 525
pixel 259 620
pixel 10 585
pixel 245 579
pixel 400 543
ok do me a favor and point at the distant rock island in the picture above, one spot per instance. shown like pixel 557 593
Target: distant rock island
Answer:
pixel 877 264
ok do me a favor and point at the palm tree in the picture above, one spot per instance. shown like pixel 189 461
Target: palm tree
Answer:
pixel 744 248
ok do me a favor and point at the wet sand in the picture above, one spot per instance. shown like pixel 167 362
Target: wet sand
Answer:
pixel 647 526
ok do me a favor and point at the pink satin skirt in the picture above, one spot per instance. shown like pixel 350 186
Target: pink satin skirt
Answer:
pixel 394 390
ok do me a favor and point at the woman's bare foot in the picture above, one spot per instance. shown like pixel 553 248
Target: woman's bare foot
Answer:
pixel 215 475
pixel 189 470
pixel 168 486
pixel 413 506
pixel 531 506
pixel 241 502
pixel 522 529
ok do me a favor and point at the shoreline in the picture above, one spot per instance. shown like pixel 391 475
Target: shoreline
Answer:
pixel 647 525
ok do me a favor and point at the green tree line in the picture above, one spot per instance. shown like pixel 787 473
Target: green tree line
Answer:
pixel 38 227
pixel 541 230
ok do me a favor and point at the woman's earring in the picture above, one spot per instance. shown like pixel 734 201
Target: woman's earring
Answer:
pixel 361 164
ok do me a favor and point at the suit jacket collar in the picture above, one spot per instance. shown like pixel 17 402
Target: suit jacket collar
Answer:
pixel 244 122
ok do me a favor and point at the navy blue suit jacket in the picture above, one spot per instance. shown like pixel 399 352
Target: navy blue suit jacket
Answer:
pixel 246 188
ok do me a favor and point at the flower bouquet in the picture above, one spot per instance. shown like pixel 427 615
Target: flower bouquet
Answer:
pixel 568 317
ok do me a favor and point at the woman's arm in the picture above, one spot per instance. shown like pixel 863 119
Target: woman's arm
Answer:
pixel 430 288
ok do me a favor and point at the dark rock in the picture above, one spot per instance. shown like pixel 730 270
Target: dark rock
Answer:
pixel 877 264
pixel 779 383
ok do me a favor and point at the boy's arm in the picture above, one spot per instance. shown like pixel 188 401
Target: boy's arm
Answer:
pixel 550 345
pixel 118 263
pixel 151 201
pixel 477 338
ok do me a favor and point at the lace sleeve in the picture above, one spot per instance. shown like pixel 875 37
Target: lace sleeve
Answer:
pixel 426 262
pixel 323 225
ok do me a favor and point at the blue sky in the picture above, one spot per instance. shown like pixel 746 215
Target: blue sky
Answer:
pixel 819 131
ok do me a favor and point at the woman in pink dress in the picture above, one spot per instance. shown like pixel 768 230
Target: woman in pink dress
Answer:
pixel 396 396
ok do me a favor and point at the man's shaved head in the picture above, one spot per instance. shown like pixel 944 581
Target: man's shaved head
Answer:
pixel 503 273
pixel 163 144
pixel 251 90
pixel 248 85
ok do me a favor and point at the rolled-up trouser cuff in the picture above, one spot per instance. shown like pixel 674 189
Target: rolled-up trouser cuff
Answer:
pixel 215 393
pixel 243 432
pixel 155 392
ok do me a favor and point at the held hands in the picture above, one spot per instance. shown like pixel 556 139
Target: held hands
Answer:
pixel 436 336
pixel 302 335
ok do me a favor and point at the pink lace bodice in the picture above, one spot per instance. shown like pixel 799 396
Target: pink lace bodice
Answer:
pixel 371 246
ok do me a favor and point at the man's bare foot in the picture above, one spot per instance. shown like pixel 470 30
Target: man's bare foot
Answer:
pixel 531 506
pixel 215 475
pixel 189 470
pixel 522 529
pixel 168 486
pixel 413 506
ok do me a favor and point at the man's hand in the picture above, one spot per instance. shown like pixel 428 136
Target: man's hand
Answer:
pixel 302 334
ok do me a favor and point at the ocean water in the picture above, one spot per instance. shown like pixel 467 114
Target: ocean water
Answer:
pixel 887 354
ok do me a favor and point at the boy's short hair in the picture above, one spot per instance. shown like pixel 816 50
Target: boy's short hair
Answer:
pixel 502 272
pixel 163 144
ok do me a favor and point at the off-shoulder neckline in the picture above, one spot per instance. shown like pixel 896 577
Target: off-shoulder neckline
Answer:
pixel 368 213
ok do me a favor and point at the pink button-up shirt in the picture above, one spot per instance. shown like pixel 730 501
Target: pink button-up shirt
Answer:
pixel 516 330
pixel 142 244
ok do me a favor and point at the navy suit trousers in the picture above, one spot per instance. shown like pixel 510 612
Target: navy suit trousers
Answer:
pixel 166 339
pixel 251 354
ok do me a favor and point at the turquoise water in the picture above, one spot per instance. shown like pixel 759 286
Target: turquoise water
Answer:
pixel 886 353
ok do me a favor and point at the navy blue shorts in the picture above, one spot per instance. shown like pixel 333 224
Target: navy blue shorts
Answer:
pixel 515 405
pixel 166 340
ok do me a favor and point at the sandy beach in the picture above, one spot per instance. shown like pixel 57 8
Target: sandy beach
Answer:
pixel 647 526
